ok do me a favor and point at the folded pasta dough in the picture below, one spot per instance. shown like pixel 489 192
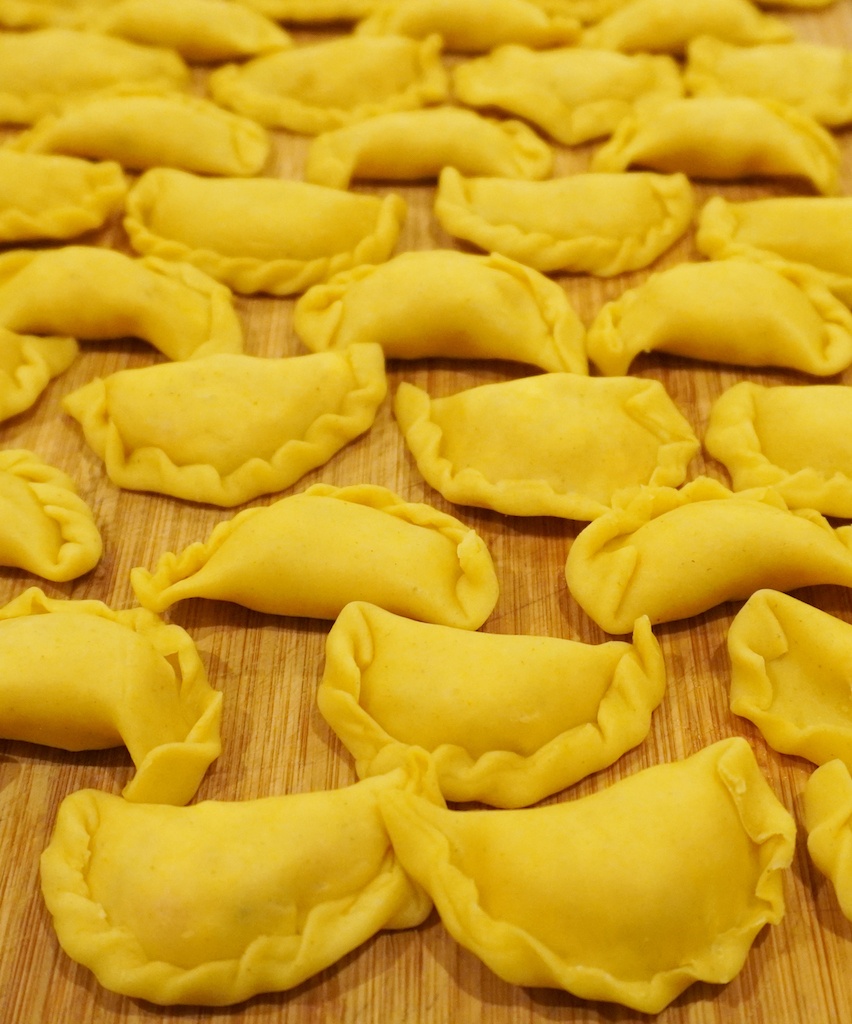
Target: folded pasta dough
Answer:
pixel 603 224
pixel 507 720
pixel 18 14
pixel 45 526
pixel 312 553
pixel 557 444
pixel 40 71
pixel 200 30
pixel 80 676
pixel 96 294
pixel 472 26
pixel 289 885
pixel 548 896
pixel 283 418
pixel 791 438
pixel 44 197
pixel 496 309
pixel 660 26
pixel 416 144
pixel 27 365
pixel 725 137
pixel 326 85
pixel 790 676
pixel 572 94
pixel 827 814
pixel 731 311
pixel 812 77
pixel 812 231
pixel 260 234
pixel 142 130
pixel 670 554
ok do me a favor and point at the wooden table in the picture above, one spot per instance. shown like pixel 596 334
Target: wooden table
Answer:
pixel 275 741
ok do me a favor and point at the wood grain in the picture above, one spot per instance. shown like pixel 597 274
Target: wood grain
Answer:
pixel 276 742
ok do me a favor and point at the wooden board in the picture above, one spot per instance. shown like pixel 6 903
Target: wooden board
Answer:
pixel 275 741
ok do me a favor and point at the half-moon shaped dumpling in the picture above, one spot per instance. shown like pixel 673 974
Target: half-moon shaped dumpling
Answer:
pixel 496 309
pixel 472 26
pixel 27 365
pixel 312 553
pixel 628 895
pixel 246 426
pixel 814 78
pixel 213 903
pixel 828 821
pixel 557 444
pixel 790 676
pixel 45 526
pixel 724 137
pixel 603 224
pixel 660 26
pixel 18 14
pixel 572 94
pixel 96 294
pixel 808 230
pixel 323 86
pixel 79 676
pixel 200 30
pixel 730 311
pixel 795 439
pixel 142 130
pixel 43 197
pixel 41 71
pixel 260 234
pixel 507 720
pixel 416 144
pixel 670 554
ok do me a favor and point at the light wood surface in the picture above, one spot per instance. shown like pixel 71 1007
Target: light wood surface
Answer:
pixel 275 741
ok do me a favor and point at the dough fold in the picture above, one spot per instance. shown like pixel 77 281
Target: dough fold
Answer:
pixel 312 553
pixel 548 896
pixel 507 720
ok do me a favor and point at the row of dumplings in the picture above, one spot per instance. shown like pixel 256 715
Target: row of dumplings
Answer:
pixel 267 927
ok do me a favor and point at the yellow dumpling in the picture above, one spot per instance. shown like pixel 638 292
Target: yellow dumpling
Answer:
pixel 811 231
pixel 200 30
pixel 41 71
pixel 828 812
pixel 311 553
pixel 603 224
pixel 496 309
pixel 79 676
pixel 664 27
pixel 472 26
pixel 213 903
pixel 96 294
pixel 628 895
pixel 670 554
pixel 146 130
pixel 260 234
pixel 814 78
pixel 56 197
pixel 18 14
pixel 725 137
pixel 417 144
pixel 730 311
pixel 790 676
pixel 793 438
pixel 507 720
pixel 326 85
pixel 224 429
pixel 556 444
pixel 27 365
pixel 45 526
pixel 572 94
